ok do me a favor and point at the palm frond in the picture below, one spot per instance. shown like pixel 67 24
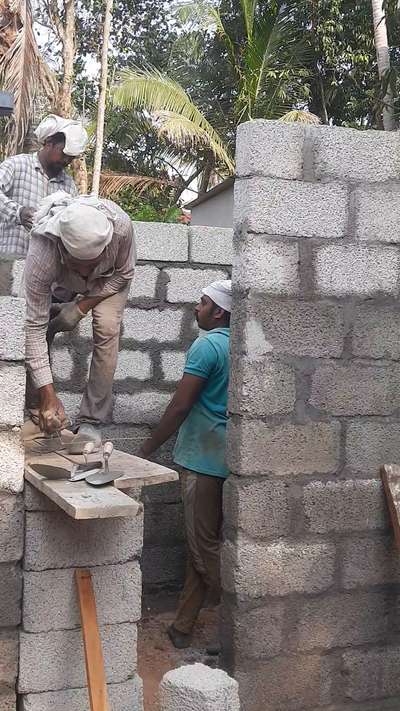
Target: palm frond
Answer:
pixel 249 11
pixel 158 94
pixel 297 116
pixel 112 183
pixel 24 73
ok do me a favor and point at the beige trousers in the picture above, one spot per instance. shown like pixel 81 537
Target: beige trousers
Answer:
pixel 202 503
pixel 96 403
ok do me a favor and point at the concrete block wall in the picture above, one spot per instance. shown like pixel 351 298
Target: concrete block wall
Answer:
pixel 174 263
pixel 310 573
pixel 12 386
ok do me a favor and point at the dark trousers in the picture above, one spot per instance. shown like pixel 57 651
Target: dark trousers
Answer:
pixel 202 503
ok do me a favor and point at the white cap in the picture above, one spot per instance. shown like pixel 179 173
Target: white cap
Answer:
pixel 84 230
pixel 220 292
pixel 76 137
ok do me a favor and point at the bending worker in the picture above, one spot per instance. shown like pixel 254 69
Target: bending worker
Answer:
pixel 28 178
pixel 199 410
pixel 85 246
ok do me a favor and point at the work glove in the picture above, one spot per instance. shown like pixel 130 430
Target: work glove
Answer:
pixel 63 317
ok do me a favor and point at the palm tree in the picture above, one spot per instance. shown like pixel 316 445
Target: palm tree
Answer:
pixel 383 60
pixel 23 71
pixel 266 66
pixel 101 108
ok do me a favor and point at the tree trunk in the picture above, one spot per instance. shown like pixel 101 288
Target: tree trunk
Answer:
pixel 64 104
pixel 79 170
pixel 383 59
pixel 102 99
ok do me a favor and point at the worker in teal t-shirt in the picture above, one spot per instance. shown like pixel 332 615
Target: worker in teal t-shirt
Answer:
pixel 198 410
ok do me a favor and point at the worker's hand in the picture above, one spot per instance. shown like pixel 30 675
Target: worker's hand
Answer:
pixel 63 317
pixel 26 217
pixel 52 416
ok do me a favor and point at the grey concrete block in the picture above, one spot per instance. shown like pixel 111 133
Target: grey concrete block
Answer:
pixel 372 674
pixel 62 364
pixel 211 245
pixel 339 620
pixel 49 661
pixel 11 527
pixel 144 282
pixel 17 288
pixel 164 523
pixel 348 154
pixel 370 561
pixel 345 506
pixel 8 656
pixel 127 438
pixel 197 687
pixel 268 267
pixel 291 208
pixel 169 493
pixel 186 285
pixel 342 270
pixel 290 327
pixel 12 388
pixel 262 387
pixel 161 242
pixel 54 540
pixel 255 447
pixel 8 698
pixel 133 364
pixel 117 589
pixel 172 364
pixel 376 332
pixel 10 595
pixel 144 325
pixel 356 389
pixel 260 509
pixel 71 402
pixel 163 566
pixel 126 696
pixel 371 444
pixel 140 408
pixel 12 328
pixel 281 684
pixel 35 501
pixel 378 213
pixel 12 458
pixel 253 570
pixel 258 634
pixel 270 148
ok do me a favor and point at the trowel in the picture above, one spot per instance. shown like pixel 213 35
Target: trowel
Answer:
pixel 50 472
pixel 81 471
pixel 104 476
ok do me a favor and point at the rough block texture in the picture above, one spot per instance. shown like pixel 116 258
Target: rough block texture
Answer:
pixel 12 334
pixel 8 656
pixel 11 460
pixel 147 325
pixel 117 589
pixel 144 283
pixel 11 527
pixel 126 696
pixel 89 543
pixel 161 242
pixel 12 388
pixel 8 698
pixel 309 569
pixel 197 687
pixel 185 285
pixel 55 660
pixel 146 407
pixel 211 245
pixel 10 595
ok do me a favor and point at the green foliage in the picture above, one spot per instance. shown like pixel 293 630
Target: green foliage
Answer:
pixel 141 208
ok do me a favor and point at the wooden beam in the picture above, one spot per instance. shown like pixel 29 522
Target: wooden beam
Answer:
pixel 95 672
pixel 390 474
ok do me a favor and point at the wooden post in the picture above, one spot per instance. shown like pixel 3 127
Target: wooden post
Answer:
pixel 95 673
pixel 390 474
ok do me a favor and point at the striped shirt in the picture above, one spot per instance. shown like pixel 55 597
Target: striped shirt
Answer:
pixel 46 269
pixel 23 183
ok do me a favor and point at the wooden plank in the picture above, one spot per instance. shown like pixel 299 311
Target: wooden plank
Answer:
pixel 78 499
pixel 95 672
pixel 390 474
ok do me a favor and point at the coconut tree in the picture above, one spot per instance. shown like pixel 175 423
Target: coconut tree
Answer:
pixel 265 60
pixel 383 61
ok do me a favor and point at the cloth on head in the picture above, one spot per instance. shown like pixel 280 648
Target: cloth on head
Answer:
pixel 76 137
pixel 84 224
pixel 220 292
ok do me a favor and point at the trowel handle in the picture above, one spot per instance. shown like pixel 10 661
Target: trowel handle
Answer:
pixel 108 450
pixel 88 448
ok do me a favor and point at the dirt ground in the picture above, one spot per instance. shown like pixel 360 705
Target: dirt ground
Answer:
pixel 156 654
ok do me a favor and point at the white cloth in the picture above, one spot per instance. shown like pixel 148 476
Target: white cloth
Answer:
pixel 76 137
pixel 220 292
pixel 84 224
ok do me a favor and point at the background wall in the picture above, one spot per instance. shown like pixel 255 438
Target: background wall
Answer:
pixel 175 263
pixel 311 575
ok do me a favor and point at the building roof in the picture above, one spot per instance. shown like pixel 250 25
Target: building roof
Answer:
pixel 220 188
